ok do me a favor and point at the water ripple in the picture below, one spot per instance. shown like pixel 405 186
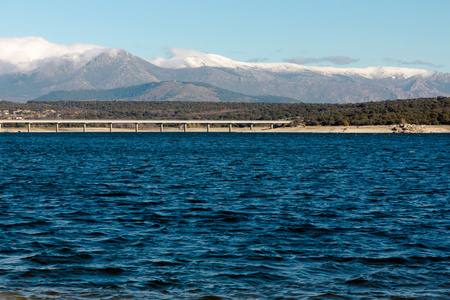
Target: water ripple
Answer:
pixel 224 216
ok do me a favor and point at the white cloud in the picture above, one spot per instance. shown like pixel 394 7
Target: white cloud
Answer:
pixel 21 54
pixel 258 60
pixel 412 63
pixel 337 60
pixel 177 57
pixel 189 58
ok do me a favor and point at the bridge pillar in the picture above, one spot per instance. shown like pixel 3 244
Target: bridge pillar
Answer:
pixel 136 127
pixel 29 127
pixel 0 127
pixel 208 127
pixel 185 127
pixel 110 127
pixel 57 127
pixel 161 127
pixel 229 127
pixel 271 126
pixel 84 127
pixel 251 126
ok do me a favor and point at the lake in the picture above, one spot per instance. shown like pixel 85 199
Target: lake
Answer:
pixel 224 216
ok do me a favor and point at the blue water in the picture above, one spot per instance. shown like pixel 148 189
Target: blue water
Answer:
pixel 224 216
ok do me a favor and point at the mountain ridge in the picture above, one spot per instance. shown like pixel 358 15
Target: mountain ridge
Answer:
pixel 117 68
pixel 218 61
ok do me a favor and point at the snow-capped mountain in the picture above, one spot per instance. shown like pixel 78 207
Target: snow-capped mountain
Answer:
pixel 196 59
pixel 24 54
pixel 305 83
pixel 92 67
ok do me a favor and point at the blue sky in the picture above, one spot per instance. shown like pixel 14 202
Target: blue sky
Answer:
pixel 339 33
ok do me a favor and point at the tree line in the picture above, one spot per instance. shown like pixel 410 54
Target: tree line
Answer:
pixel 426 111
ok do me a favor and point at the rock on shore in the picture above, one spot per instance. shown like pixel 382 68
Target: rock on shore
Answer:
pixel 409 128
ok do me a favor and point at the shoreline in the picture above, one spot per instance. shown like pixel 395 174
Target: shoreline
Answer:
pixel 300 129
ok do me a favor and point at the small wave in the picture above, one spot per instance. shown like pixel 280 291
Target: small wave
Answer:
pixel 111 271
pixel 50 259
pixel 367 282
pixel 306 228
pixel 165 263
pixel 32 224
pixel 161 284
pixel 329 296
pixel 209 298
pixel 116 194
pixel 256 278
pixel 256 195
pixel 397 260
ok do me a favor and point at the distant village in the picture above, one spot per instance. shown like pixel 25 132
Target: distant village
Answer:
pixel 27 114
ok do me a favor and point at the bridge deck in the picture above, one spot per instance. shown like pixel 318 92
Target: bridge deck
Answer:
pixel 77 121
pixel 136 123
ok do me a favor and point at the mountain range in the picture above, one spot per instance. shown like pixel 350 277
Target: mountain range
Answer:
pixel 117 68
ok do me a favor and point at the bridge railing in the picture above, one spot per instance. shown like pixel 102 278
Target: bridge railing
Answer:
pixel 136 123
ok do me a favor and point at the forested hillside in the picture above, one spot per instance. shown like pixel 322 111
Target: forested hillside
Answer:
pixel 163 91
pixel 430 111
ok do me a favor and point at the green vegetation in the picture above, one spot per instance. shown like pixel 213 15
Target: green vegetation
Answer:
pixel 427 111
pixel 162 91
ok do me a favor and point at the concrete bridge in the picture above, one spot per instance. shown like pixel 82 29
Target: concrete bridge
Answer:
pixel 136 123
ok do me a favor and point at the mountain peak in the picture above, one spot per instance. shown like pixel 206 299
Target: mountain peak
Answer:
pixel 188 58
pixel 116 52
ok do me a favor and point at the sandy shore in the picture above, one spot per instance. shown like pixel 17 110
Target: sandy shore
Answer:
pixel 363 129
pixel 300 129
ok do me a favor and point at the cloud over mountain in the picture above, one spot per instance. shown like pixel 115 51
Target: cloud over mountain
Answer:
pixel 22 54
pixel 176 58
pixel 337 60
pixel 189 58
pixel 416 62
